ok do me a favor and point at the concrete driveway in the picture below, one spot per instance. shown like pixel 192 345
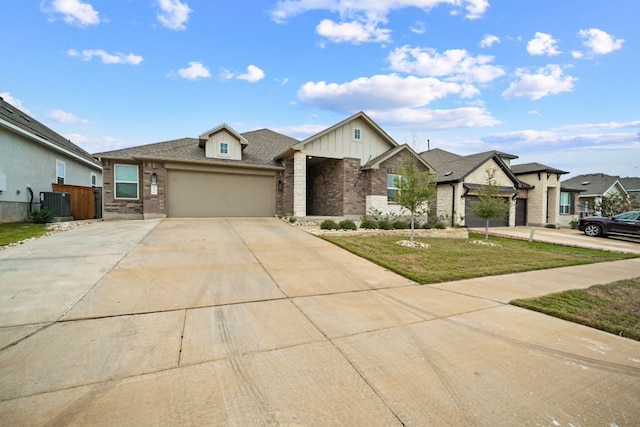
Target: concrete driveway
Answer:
pixel 253 322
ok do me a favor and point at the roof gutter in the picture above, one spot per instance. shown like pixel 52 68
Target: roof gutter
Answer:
pixel 49 144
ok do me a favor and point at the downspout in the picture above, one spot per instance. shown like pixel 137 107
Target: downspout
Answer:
pixel 453 204
pixel 31 199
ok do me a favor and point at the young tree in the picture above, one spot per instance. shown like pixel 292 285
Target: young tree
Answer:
pixel 490 204
pixel 415 188
pixel 612 204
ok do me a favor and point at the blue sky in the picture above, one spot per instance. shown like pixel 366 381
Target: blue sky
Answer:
pixel 551 81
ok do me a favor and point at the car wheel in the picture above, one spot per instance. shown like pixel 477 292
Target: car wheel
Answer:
pixel 593 230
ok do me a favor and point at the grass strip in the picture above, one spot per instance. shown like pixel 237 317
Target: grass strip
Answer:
pixel 17 231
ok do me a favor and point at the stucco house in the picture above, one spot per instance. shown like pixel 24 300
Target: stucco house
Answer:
pixel 342 171
pixel 35 159
pixel 585 192
pixel 532 188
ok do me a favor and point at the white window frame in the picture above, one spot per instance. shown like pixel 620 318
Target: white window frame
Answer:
pixel 395 186
pixel 94 180
pixel 60 163
pixel 357 134
pixel 116 182
pixel 224 151
pixel 565 209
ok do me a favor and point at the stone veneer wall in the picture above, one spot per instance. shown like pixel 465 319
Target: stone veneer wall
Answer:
pixel 154 205
pixel 119 209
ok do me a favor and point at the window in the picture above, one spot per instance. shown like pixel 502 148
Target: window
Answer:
pixel 126 181
pixel 224 148
pixel 356 134
pixel 60 172
pixel 566 203
pixel 584 208
pixel 94 180
pixel 392 186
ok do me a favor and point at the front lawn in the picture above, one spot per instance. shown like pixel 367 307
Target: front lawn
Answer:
pixel 16 231
pixel 455 259
pixel 613 308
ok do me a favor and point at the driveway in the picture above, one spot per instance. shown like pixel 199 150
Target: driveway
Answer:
pixel 253 322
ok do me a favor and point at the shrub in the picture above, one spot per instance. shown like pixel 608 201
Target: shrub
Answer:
pixel 347 224
pixel 400 224
pixel 292 219
pixel 550 226
pixel 438 225
pixel 369 224
pixel 42 216
pixel 385 224
pixel 328 224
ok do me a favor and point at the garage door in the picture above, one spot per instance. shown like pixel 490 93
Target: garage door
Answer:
pixel 474 221
pixel 196 194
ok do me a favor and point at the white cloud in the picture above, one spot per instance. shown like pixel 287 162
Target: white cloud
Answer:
pixel 599 42
pixel 466 117
pixel 419 27
pixel 603 126
pixel 288 8
pixel 353 32
pixel 173 14
pixel 543 44
pixel 546 81
pixel 453 64
pixel 380 92
pixel 64 117
pixel 577 54
pixel 107 58
pixel 93 144
pixel 489 40
pixel 360 20
pixel 73 12
pixel 300 131
pixel 253 74
pixel 14 101
pixel 194 71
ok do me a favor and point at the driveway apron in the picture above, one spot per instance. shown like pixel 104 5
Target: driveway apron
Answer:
pixel 254 322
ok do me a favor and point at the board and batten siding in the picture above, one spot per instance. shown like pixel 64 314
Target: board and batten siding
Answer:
pixel 212 147
pixel 339 143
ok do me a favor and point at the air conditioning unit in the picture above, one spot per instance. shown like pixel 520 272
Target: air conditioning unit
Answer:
pixel 58 203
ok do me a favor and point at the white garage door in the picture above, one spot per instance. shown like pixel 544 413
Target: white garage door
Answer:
pixel 195 194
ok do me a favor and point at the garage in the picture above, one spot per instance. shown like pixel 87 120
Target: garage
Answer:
pixel 474 221
pixel 204 194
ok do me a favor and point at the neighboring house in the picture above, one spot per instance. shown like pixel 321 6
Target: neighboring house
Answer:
pixel 344 170
pixel 632 187
pixel 533 189
pixel 586 191
pixel 35 159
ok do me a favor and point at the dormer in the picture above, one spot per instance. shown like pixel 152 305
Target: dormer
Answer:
pixel 222 142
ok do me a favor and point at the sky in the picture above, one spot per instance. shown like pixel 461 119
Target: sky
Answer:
pixel 550 81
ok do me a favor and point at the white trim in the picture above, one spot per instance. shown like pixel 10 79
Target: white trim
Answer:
pixel 115 182
pixel 64 172
pixel 91 179
pixel 48 143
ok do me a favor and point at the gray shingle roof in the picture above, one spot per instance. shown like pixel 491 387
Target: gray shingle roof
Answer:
pixel 631 184
pixel 22 120
pixel 596 183
pixel 526 168
pixel 263 146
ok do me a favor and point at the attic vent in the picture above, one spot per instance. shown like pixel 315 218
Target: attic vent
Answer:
pixel 448 173
pixel 8 109
pixel 585 182
pixel 26 118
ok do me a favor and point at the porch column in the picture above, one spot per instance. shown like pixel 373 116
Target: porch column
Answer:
pixel 299 185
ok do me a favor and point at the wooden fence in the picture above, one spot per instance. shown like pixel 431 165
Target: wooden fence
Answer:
pixel 82 200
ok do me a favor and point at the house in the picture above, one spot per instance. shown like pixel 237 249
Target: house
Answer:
pixel 34 159
pixel 344 170
pixel 533 188
pixel 586 192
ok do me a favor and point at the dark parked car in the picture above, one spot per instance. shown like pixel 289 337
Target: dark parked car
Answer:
pixel 627 223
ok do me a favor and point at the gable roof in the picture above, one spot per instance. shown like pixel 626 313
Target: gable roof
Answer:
pixel 595 184
pixel 632 185
pixel 360 115
pixel 453 168
pixel 527 168
pixel 262 147
pixel 375 163
pixel 19 122
pixel 223 126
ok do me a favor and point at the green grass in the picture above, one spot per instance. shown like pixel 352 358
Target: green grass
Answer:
pixel 455 259
pixel 16 231
pixel 613 308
